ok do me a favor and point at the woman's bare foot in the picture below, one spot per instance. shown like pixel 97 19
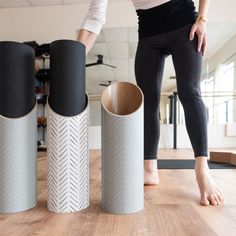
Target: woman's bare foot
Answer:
pixel 210 193
pixel 151 176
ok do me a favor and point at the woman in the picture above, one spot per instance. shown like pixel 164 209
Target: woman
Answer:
pixel 167 27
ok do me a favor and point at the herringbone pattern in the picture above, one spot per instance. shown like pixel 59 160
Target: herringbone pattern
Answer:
pixel 68 173
pixel 122 162
pixel 18 154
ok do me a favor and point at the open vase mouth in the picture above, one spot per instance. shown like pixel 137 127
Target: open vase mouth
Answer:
pixel 122 98
pixel 122 148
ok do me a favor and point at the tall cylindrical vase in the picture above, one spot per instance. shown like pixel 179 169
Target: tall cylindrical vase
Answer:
pixel 18 132
pixel 122 148
pixel 68 163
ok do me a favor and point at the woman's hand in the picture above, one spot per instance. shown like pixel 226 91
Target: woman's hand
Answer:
pixel 199 28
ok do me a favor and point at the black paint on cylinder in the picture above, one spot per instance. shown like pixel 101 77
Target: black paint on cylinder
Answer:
pixel 17 63
pixel 67 77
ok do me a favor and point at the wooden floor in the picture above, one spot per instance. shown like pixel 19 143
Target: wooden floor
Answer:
pixel 170 209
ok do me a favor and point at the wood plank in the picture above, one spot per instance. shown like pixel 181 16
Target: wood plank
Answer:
pixel 170 209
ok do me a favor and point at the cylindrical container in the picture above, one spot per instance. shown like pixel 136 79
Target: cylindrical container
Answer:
pixel 18 132
pixel 67 77
pixel 68 164
pixel 17 97
pixel 122 148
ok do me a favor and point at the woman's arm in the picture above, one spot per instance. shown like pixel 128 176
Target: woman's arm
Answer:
pixel 203 7
pixel 92 23
pixel 88 38
pixel 199 27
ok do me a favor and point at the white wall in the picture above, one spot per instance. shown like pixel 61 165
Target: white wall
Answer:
pixel 94 137
pixel 94 113
pixel 48 23
pixel 216 137
pixel 164 101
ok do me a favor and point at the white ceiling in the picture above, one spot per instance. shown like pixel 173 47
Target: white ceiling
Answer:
pixel 29 3
pixel 118 45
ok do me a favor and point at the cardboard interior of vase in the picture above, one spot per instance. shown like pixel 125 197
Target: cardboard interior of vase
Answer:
pixel 122 98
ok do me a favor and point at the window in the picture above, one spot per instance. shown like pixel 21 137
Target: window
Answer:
pixel 217 93
pixel 180 113
pixel 224 104
pixel 207 88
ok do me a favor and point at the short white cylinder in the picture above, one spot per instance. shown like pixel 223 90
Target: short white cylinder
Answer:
pixel 68 163
pixel 18 162
pixel 122 148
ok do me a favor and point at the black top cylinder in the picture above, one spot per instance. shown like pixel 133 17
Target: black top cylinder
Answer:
pixel 67 77
pixel 17 62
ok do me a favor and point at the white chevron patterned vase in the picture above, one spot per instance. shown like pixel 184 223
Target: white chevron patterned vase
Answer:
pixel 18 162
pixel 122 149
pixel 68 163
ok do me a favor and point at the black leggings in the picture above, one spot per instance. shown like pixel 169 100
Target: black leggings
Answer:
pixel 149 64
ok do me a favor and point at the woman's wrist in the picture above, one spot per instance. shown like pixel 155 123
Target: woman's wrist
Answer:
pixel 201 18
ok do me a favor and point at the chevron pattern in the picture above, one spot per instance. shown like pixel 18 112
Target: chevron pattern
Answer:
pixel 68 164
pixel 18 156
pixel 122 162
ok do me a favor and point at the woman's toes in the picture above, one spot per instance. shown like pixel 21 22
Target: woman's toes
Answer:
pixel 204 201
pixel 213 199
pixel 220 197
pixel 217 198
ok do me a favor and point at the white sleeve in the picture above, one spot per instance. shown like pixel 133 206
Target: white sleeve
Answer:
pixel 96 16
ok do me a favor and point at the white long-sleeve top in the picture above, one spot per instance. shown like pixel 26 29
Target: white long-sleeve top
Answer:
pixel 96 15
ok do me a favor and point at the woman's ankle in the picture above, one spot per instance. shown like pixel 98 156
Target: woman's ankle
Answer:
pixel 201 165
pixel 150 165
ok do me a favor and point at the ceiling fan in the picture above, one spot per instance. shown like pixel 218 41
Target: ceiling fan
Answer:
pixel 107 84
pixel 99 62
